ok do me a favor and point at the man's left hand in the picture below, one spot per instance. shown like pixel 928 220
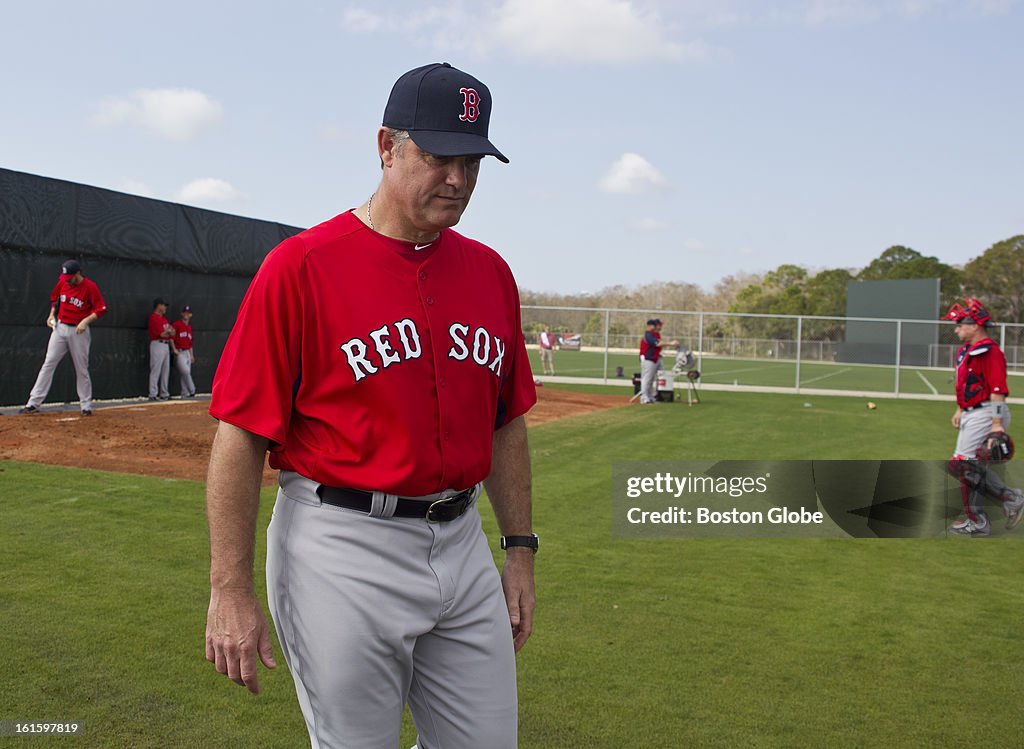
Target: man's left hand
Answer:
pixel 517 582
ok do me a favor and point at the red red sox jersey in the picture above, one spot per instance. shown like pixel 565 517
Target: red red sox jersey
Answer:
pixel 371 365
pixel 77 302
pixel 182 335
pixel 648 346
pixel 980 373
pixel 157 322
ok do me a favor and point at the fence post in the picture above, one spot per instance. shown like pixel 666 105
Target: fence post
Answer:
pixel 799 336
pixel 700 341
pixel 899 346
pixel 607 319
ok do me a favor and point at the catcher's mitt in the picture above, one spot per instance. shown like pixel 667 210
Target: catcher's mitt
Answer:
pixel 997 447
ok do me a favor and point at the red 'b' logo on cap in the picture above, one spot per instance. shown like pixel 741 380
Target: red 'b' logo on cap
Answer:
pixel 470 104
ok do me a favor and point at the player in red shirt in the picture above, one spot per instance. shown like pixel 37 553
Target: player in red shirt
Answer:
pixel 380 358
pixel 76 303
pixel 161 346
pixel 185 355
pixel 981 392
pixel 650 360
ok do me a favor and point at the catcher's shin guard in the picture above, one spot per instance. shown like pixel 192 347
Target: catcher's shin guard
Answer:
pixel 978 480
pixel 970 474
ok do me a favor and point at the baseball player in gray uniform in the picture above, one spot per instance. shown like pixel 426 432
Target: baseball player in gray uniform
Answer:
pixel 76 303
pixel 161 345
pixel 380 358
pixel 981 418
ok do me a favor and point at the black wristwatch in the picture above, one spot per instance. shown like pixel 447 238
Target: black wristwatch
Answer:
pixel 530 542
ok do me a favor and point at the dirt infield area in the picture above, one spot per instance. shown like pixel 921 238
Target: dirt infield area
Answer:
pixel 173 439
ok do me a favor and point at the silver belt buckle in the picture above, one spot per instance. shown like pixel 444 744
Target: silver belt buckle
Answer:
pixel 431 518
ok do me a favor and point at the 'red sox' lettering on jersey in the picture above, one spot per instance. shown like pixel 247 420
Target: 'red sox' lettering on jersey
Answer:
pixel 399 341
pixel 356 349
pixel 481 344
pixel 368 358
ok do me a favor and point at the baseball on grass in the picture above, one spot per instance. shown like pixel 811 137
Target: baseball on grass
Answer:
pixel 871 406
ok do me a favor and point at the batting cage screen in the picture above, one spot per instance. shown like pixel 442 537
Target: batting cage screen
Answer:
pixel 135 249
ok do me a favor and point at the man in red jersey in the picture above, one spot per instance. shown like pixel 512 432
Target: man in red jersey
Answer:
pixel 75 304
pixel 650 360
pixel 980 414
pixel 380 358
pixel 161 345
pixel 185 357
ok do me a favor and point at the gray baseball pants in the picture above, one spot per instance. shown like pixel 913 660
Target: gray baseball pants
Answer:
pixel 374 612
pixel 980 480
pixel 64 339
pixel 159 369
pixel 648 381
pixel 183 363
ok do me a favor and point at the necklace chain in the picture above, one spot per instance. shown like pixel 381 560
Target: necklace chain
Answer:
pixel 369 218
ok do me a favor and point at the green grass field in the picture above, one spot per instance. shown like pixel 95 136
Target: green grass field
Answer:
pixel 768 373
pixel 638 643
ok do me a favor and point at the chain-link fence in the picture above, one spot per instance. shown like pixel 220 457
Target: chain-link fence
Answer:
pixel 913 358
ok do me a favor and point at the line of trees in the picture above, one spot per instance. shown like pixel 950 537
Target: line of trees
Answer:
pixel 996 276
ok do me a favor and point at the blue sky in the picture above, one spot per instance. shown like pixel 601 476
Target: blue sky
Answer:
pixel 649 140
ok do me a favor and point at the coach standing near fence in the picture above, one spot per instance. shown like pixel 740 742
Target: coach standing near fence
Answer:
pixel 75 304
pixel 161 344
pixel 380 357
pixel 650 356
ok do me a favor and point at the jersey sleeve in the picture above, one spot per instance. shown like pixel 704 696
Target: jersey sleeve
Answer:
pixel 518 392
pixel 99 307
pixel 259 369
pixel 55 294
pixel 995 372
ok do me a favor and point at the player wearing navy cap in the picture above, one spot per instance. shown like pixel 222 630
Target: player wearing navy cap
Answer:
pixel 75 304
pixel 981 418
pixel 380 358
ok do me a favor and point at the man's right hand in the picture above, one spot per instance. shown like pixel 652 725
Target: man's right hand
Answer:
pixel 956 418
pixel 236 632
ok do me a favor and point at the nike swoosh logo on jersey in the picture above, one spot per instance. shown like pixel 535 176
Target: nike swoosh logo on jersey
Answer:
pixel 422 246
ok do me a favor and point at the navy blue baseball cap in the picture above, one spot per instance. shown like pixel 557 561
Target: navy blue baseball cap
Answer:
pixel 445 111
pixel 70 267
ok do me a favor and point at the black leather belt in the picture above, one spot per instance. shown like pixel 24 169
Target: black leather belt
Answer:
pixel 972 408
pixel 436 511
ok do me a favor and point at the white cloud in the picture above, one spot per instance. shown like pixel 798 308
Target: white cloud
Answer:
pixel 588 31
pixel 603 31
pixel 632 174
pixel 208 190
pixel 177 114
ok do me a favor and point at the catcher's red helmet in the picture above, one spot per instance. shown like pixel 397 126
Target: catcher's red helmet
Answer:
pixel 1000 450
pixel 971 309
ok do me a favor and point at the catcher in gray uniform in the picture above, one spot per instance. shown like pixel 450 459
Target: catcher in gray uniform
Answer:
pixel 981 418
